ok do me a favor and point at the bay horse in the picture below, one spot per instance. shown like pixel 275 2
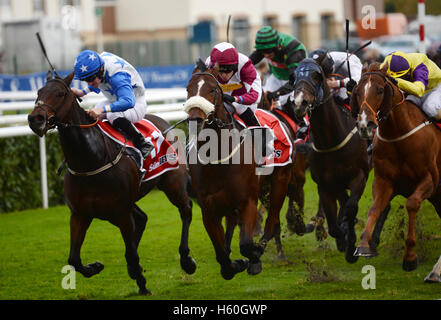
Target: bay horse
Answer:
pixel 338 159
pixel 406 154
pixel 102 182
pixel 225 189
pixel 296 195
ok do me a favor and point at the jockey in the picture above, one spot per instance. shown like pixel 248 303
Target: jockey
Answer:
pixel 335 66
pixel 122 86
pixel 419 77
pixel 283 53
pixel 239 80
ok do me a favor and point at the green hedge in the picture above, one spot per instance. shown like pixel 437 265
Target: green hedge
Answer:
pixel 20 174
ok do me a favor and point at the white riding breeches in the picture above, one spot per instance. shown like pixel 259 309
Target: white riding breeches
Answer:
pixel 430 102
pixel 133 114
pixel 272 84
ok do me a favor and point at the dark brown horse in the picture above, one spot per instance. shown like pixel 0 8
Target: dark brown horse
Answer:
pixel 225 188
pixel 296 195
pixel 338 161
pixel 406 154
pixel 102 182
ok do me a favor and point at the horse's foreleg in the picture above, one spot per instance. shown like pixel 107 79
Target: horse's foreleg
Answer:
pixel 140 219
pixel 231 222
pixel 382 192
pixel 78 227
pixel 375 241
pixel 248 248
pixel 349 212
pixel 296 202
pixel 175 186
pixel 127 228
pixel 329 204
pixel 423 191
pixel 213 225
pixel 279 189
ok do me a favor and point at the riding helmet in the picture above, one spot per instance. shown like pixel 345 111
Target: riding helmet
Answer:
pixel 226 55
pixel 87 64
pixel 266 38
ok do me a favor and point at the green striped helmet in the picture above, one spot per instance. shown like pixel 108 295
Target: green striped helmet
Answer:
pixel 266 38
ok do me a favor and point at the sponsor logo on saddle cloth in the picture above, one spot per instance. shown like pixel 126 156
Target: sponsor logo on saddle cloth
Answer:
pixel 282 144
pixel 163 157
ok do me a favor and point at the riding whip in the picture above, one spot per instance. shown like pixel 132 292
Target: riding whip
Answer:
pixel 351 54
pixel 43 49
pixel 228 28
pixel 347 48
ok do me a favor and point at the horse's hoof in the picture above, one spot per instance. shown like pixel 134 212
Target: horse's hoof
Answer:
pixel 239 265
pixel 320 233
pixel 365 252
pixel 341 244
pixel 188 264
pixel 255 268
pixel 350 256
pixel 410 265
pixel 309 228
pixel 432 278
pixel 145 292
pixel 92 269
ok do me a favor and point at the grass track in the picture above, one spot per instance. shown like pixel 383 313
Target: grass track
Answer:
pixel 34 246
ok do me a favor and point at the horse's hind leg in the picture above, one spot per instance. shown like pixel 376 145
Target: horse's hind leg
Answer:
pixel 174 184
pixel 128 232
pixel 140 219
pixel 231 222
pixel 78 227
pixel 423 191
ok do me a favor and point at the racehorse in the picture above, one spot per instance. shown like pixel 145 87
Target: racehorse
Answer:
pixel 406 154
pixel 102 182
pixel 296 195
pixel 225 189
pixel 338 161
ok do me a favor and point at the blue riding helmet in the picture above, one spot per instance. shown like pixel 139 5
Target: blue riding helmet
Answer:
pixel 87 64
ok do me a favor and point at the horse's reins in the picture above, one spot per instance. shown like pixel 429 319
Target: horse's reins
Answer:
pixel 304 77
pixel 378 119
pixel 56 123
pixel 218 122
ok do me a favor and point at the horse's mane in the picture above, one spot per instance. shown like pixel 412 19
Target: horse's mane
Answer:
pixel 374 67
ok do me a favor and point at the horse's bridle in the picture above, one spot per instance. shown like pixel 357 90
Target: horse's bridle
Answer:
pixel 51 120
pixel 303 74
pixel 211 117
pixel 377 117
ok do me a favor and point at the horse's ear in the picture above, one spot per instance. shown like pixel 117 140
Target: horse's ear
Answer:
pixel 215 69
pixel 320 58
pixel 365 67
pixel 69 78
pixel 48 75
pixel 200 65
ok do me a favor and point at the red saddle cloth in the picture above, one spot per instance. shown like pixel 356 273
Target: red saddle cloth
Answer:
pixel 162 158
pixel 282 144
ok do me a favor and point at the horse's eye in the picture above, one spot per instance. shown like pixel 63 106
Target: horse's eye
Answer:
pixel 380 91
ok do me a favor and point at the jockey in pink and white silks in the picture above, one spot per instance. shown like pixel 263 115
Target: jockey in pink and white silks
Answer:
pixel 238 79
pixel 123 88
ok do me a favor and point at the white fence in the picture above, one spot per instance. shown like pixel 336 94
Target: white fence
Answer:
pixel 165 103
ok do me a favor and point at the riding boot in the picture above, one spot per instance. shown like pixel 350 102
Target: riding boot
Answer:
pixel 250 120
pixel 132 133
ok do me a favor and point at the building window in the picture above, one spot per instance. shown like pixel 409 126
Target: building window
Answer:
pixel 326 25
pixel 241 34
pixel 299 27
pixel 271 20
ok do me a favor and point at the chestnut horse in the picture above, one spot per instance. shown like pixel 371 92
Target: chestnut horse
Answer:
pixel 230 189
pixel 102 182
pixel 406 154
pixel 339 160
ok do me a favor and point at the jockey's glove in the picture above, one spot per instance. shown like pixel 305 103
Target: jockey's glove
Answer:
pixel 228 98
pixel 272 96
pixel 350 85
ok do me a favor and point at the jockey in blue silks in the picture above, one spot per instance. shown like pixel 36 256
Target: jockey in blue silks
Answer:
pixel 123 88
